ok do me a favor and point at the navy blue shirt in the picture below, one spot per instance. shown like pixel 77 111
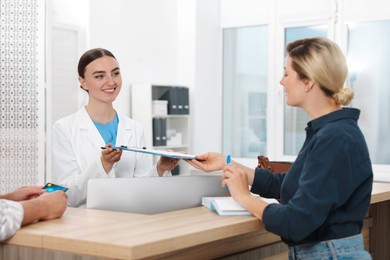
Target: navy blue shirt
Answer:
pixel 326 193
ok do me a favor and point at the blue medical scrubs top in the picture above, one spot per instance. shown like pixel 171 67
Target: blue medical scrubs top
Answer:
pixel 108 131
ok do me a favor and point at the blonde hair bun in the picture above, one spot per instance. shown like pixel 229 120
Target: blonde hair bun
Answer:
pixel 344 96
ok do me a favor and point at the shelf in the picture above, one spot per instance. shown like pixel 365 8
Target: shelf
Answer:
pixel 176 125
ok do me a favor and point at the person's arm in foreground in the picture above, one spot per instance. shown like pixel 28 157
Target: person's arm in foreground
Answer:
pixel 23 193
pixel 47 206
pixel 26 205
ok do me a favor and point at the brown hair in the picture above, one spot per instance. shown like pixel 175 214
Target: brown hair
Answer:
pixel 90 56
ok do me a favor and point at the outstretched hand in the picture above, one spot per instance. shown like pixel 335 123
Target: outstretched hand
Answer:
pixel 208 162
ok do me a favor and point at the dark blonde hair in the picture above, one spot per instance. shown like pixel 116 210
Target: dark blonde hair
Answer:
pixel 322 61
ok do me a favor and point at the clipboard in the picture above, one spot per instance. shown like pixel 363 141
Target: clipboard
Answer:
pixel 163 153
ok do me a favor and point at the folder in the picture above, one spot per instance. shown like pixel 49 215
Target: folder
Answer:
pixel 156 132
pixel 172 96
pixel 159 131
pixel 163 131
pixel 180 105
pixel 184 107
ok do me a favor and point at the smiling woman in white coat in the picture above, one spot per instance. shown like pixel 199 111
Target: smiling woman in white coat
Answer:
pixel 77 139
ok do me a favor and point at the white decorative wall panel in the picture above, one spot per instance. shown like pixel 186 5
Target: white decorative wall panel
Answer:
pixel 20 84
pixel 64 83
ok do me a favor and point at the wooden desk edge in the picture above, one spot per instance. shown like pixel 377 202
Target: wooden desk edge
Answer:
pixel 219 240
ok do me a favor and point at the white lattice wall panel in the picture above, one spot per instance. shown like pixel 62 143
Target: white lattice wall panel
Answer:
pixel 19 120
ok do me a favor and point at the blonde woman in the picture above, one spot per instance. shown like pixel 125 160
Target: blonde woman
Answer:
pixel 326 193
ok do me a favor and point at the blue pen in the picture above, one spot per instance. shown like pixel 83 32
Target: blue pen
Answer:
pixel 228 161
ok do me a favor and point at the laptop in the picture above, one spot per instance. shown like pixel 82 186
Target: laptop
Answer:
pixel 151 195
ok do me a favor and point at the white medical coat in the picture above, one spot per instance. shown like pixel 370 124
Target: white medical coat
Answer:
pixel 76 152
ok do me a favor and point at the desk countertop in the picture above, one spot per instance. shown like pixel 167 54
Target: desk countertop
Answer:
pixel 380 192
pixel 178 234
pixel 132 236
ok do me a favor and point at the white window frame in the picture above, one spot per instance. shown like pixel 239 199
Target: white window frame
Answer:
pixel 357 11
pixel 278 127
pixel 280 15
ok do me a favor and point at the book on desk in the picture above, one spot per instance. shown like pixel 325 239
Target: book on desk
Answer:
pixel 227 206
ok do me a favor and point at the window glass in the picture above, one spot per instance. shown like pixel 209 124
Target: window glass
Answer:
pixel 368 62
pixel 295 119
pixel 245 57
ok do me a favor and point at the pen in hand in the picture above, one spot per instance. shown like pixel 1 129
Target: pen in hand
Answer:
pixel 228 161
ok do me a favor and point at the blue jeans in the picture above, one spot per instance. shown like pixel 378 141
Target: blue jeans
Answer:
pixel 344 248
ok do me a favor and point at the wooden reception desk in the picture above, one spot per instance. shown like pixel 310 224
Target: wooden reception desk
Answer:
pixel 195 233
